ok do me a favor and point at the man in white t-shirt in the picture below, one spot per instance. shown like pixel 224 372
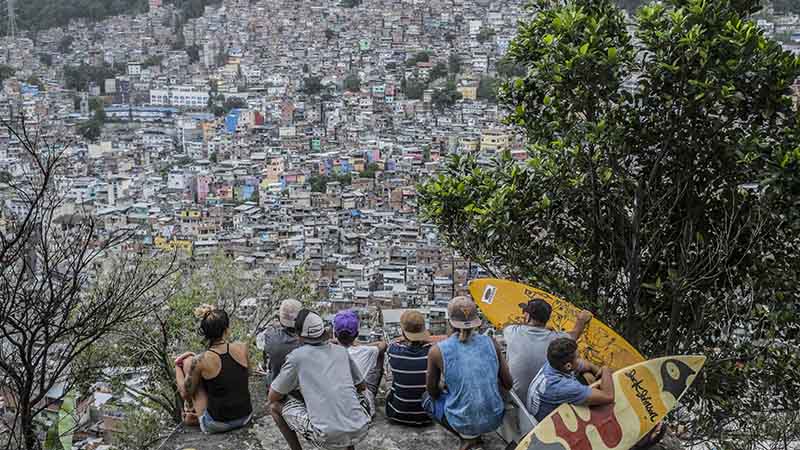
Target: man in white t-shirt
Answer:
pixel 368 357
pixel 333 413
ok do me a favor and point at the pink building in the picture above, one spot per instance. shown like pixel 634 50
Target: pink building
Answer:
pixel 201 188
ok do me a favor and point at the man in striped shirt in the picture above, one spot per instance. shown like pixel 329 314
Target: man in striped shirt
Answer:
pixel 408 362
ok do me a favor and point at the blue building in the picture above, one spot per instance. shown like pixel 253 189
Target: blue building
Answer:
pixel 232 120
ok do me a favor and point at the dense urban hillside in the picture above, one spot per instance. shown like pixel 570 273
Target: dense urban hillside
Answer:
pixel 43 14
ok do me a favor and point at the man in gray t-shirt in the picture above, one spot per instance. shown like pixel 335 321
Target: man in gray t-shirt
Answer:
pixel 334 412
pixel 526 345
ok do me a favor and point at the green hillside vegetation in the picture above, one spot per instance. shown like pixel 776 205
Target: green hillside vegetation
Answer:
pixel 43 14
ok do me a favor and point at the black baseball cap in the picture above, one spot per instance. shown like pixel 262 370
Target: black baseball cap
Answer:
pixel 538 309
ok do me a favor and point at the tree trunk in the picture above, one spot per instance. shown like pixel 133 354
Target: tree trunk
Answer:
pixel 633 268
pixel 29 438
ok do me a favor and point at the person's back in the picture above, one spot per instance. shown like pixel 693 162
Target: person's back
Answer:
pixel 228 391
pixel 215 383
pixel 474 404
pixel 556 384
pixel 526 345
pixel 408 363
pixel 366 358
pixel 526 348
pixel 326 376
pixel 278 343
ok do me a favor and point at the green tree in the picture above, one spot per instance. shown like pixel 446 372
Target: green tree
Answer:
pixel 369 171
pixel 352 83
pixel 141 427
pixel 422 56
pixel 508 68
pixel 65 44
pixel 312 85
pixel 446 97
pixel 487 89
pixel 318 183
pixel 234 103
pixel 438 71
pixel 46 59
pixel 661 205
pixel 79 77
pixel 454 64
pixel 154 60
pixel 91 130
pixel 485 33
pixel 6 72
pixel 413 88
pixel 193 51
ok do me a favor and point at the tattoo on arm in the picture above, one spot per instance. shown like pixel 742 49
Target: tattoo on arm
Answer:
pixel 193 376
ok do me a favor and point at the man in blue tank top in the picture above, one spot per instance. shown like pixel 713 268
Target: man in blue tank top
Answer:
pixel 465 374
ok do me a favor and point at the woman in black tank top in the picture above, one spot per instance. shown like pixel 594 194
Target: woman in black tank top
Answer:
pixel 214 382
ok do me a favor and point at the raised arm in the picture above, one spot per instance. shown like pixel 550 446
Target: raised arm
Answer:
pixel 434 372
pixel 583 319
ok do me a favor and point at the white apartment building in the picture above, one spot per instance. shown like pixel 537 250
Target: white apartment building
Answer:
pixel 181 96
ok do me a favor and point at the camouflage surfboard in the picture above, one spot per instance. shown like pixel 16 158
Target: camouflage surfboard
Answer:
pixel 643 394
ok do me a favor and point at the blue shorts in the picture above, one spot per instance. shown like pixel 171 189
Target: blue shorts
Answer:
pixel 211 426
pixel 435 408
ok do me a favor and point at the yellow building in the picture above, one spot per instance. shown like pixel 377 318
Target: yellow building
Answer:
pixel 470 144
pixel 495 139
pixel 183 245
pixel 189 214
pixel 469 92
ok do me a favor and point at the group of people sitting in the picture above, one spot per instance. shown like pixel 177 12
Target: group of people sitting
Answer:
pixel 323 387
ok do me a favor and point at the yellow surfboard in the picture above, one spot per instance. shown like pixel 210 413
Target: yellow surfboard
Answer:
pixel 643 394
pixel 499 301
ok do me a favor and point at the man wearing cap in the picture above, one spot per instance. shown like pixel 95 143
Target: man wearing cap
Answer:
pixel 466 372
pixel 368 357
pixel 280 342
pixel 526 344
pixel 333 413
pixel 408 363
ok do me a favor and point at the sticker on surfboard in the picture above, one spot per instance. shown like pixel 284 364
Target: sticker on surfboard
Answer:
pixel 488 294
